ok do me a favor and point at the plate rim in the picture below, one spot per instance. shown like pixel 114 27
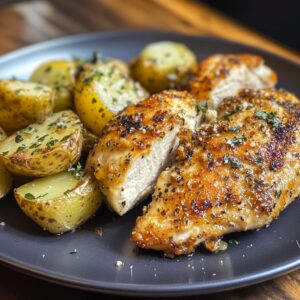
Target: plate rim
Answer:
pixel 131 289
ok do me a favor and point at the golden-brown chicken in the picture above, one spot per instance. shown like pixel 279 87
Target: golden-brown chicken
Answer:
pixel 220 76
pixel 138 144
pixel 236 175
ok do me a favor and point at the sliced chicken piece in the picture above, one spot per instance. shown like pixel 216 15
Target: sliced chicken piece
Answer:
pixel 138 144
pixel 220 76
pixel 235 175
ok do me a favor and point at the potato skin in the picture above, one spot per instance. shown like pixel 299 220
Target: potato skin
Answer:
pixel 23 103
pixel 5 180
pixel 66 212
pixel 60 75
pixel 162 65
pixel 5 176
pixel 60 148
pixel 101 91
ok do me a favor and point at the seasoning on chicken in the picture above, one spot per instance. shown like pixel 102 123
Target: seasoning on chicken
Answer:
pixel 138 144
pixel 220 76
pixel 235 175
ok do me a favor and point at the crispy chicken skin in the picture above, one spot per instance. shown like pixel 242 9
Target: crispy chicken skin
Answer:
pixel 138 144
pixel 235 175
pixel 220 76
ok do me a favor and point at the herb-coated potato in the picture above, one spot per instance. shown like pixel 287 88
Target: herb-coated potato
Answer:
pixel 162 65
pixel 59 74
pixel 23 103
pixel 103 90
pixel 60 202
pixel 5 177
pixel 44 149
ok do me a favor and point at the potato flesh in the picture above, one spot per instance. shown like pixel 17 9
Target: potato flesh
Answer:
pixel 60 202
pixel 44 149
pixel 161 65
pixel 101 92
pixel 23 103
pixel 48 187
pixel 59 74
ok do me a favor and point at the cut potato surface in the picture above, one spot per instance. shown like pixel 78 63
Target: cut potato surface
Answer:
pixel 23 103
pixel 60 202
pixel 59 74
pixel 102 91
pixel 44 149
pixel 162 65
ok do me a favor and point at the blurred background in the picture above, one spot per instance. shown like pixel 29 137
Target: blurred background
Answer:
pixel 277 19
pixel 24 22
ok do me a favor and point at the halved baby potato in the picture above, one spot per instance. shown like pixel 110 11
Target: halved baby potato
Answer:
pixel 23 103
pixel 5 176
pixel 59 74
pixel 44 149
pixel 103 90
pixel 162 65
pixel 89 140
pixel 60 202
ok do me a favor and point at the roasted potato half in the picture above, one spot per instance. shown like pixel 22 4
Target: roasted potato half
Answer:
pixel 60 202
pixel 162 65
pixel 23 103
pixel 59 74
pixel 5 177
pixel 102 91
pixel 44 149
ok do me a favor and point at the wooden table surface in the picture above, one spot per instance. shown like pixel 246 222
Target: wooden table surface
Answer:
pixel 27 22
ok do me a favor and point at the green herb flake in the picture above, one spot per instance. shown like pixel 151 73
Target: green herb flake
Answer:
pixel 4 153
pixel 277 193
pixel 237 141
pixel 76 170
pixel 21 148
pixel 234 162
pixel 237 128
pixel 42 138
pixel 29 196
pixel 51 143
pixel 270 118
pixel 48 69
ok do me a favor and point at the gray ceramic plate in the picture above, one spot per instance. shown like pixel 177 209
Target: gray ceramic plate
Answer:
pixel 258 256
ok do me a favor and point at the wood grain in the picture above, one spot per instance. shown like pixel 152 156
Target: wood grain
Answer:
pixel 28 22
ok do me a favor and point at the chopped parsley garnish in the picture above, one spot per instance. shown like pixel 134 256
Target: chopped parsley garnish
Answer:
pixel 236 141
pixel 258 159
pixel 41 139
pixel 234 162
pixel 237 128
pixel 29 196
pixel 270 118
pixel 21 148
pixel 48 69
pixel 76 170
pixel 200 107
pixel 51 143
pixel 277 193
pixel 38 87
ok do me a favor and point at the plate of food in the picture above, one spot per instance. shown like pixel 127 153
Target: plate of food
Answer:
pixel 149 163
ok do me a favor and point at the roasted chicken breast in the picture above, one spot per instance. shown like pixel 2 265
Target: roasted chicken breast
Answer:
pixel 220 76
pixel 235 175
pixel 138 144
